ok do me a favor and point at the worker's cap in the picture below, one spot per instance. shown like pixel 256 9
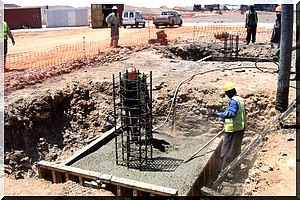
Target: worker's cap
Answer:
pixel 131 73
pixel 228 86
pixel 278 9
pixel 114 8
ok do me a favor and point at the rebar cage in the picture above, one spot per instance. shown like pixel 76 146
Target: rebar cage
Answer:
pixel 133 113
pixel 231 45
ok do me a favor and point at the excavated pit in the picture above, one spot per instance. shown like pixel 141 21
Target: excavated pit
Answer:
pixel 54 124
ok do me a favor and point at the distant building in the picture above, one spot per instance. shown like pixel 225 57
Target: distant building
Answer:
pixel 197 7
pixel 23 18
pixel 265 7
pixel 244 7
pixel 212 7
pixel 11 6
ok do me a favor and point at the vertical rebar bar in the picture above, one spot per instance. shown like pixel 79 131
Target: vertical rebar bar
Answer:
pixel 150 129
pixel 115 119
pixel 121 118
pixel 139 120
pixel 225 45
pixel 127 120
pixel 237 46
pixel 84 53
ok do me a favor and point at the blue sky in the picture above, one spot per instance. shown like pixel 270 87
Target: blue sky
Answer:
pixel 139 3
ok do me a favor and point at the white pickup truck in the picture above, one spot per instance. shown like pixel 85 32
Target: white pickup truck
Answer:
pixel 167 18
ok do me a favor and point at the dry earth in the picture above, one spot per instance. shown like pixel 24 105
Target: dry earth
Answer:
pixel 272 173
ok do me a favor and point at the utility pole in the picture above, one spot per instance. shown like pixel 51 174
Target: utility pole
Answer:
pixel 285 57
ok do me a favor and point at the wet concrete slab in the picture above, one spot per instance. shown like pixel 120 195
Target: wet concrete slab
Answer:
pixel 169 169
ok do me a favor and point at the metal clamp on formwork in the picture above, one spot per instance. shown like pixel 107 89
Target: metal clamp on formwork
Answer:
pixel 94 184
pixel 257 141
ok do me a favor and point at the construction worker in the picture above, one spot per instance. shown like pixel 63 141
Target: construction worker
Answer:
pixel 113 21
pixel 251 24
pixel 135 100
pixel 275 38
pixel 7 33
pixel 235 124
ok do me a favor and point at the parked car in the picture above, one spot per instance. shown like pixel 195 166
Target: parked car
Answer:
pixel 167 18
pixel 132 18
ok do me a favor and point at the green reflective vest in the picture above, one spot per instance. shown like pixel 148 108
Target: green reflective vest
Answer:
pixel 237 123
pixel 255 17
pixel 5 30
pixel 139 90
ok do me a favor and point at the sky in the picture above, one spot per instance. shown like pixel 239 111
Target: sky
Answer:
pixel 140 3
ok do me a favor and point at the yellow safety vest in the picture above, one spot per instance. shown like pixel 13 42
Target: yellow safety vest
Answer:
pixel 237 123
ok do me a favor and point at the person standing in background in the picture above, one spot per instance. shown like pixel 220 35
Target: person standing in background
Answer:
pixel 275 38
pixel 6 34
pixel 113 21
pixel 251 24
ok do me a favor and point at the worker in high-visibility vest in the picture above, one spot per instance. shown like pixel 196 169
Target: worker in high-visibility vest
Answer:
pixel 235 124
pixel 251 24
pixel 113 21
pixel 135 101
pixel 275 37
pixel 6 34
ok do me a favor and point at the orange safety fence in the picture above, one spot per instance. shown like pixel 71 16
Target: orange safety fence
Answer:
pixel 66 53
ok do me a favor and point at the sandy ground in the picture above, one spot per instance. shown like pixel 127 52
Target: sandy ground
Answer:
pixel 33 40
pixel 275 153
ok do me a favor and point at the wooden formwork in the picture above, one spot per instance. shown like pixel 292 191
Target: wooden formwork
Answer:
pixel 59 173
pixel 119 186
pixel 208 174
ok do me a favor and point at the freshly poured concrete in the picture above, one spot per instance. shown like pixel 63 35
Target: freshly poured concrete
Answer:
pixel 174 172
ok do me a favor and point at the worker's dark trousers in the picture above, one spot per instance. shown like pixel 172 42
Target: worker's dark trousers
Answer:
pixel 5 51
pixel 231 148
pixel 251 32
pixel 297 67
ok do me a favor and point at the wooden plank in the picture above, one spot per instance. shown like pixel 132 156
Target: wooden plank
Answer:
pixel 54 177
pixel 71 170
pixel 119 191
pixel 67 177
pixel 135 193
pixel 58 177
pixel 40 172
pixel 80 180
pixel 123 182
pixel 103 139
pixel 142 186
pixel 140 193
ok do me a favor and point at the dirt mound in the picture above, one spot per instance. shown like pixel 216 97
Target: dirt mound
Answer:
pixel 45 125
